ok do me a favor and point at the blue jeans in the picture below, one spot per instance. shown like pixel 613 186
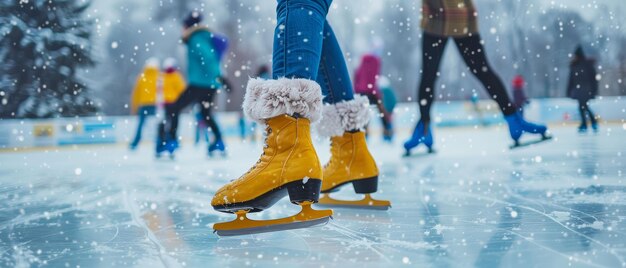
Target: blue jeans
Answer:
pixel 305 46
pixel 142 113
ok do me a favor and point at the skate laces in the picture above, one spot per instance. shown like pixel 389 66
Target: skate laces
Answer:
pixel 333 152
pixel 268 131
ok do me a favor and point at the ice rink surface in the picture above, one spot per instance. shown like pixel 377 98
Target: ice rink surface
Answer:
pixel 474 203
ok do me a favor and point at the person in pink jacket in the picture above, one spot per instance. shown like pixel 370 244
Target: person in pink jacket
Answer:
pixel 366 83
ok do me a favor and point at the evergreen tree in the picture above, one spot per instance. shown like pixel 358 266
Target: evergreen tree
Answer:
pixel 43 44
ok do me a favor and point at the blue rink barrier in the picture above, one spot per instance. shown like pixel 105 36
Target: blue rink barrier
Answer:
pixel 16 133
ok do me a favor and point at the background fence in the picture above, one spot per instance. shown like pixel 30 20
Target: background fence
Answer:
pixel 17 133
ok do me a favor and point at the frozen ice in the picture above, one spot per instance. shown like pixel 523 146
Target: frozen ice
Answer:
pixel 475 203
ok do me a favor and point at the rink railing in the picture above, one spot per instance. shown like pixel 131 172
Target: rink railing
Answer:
pixel 15 133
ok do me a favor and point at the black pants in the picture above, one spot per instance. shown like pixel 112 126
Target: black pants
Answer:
pixel 473 54
pixel 204 97
pixel 583 108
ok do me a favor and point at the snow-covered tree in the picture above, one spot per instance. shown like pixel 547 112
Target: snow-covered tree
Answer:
pixel 43 44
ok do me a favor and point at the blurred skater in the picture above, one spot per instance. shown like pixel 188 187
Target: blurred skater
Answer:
pixel 389 103
pixel 443 20
pixel 202 130
pixel 172 85
pixel 204 50
pixel 583 86
pixel 143 97
pixel 519 96
pixel 366 83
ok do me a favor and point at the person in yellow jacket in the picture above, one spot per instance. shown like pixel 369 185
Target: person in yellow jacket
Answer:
pixel 173 85
pixel 144 98
pixel 173 81
pixel 144 95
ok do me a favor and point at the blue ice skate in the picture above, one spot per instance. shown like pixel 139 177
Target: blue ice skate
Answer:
pixel 582 128
pixel 421 134
pixel 594 126
pixel 160 147
pixel 517 126
pixel 171 146
pixel 218 145
pixel 388 133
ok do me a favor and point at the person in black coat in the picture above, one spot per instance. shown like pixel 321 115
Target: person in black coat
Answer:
pixel 583 86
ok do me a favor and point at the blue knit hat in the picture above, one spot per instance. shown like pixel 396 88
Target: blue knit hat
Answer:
pixel 192 19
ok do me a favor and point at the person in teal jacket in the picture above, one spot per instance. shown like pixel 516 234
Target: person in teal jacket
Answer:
pixel 204 51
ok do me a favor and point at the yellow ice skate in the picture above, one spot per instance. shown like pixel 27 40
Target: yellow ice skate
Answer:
pixel 288 166
pixel 350 161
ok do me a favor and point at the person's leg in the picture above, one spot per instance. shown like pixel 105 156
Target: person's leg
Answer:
pixel 473 53
pixel 141 115
pixel 333 75
pixel 342 111
pixel 297 38
pixel 206 135
pixel 161 133
pixel 172 111
pixel 382 113
pixel 334 79
pixel 198 131
pixel 582 110
pixel 161 130
pixel 592 117
pixel 206 107
pixel 432 51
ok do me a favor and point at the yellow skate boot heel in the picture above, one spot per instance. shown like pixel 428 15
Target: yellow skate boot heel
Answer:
pixel 350 161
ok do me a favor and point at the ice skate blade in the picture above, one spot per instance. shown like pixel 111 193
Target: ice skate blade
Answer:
pixel 528 143
pixel 366 203
pixel 165 157
pixel 221 154
pixel 242 225
pixel 419 154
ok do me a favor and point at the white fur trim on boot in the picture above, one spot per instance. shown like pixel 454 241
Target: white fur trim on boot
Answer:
pixel 343 116
pixel 265 99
